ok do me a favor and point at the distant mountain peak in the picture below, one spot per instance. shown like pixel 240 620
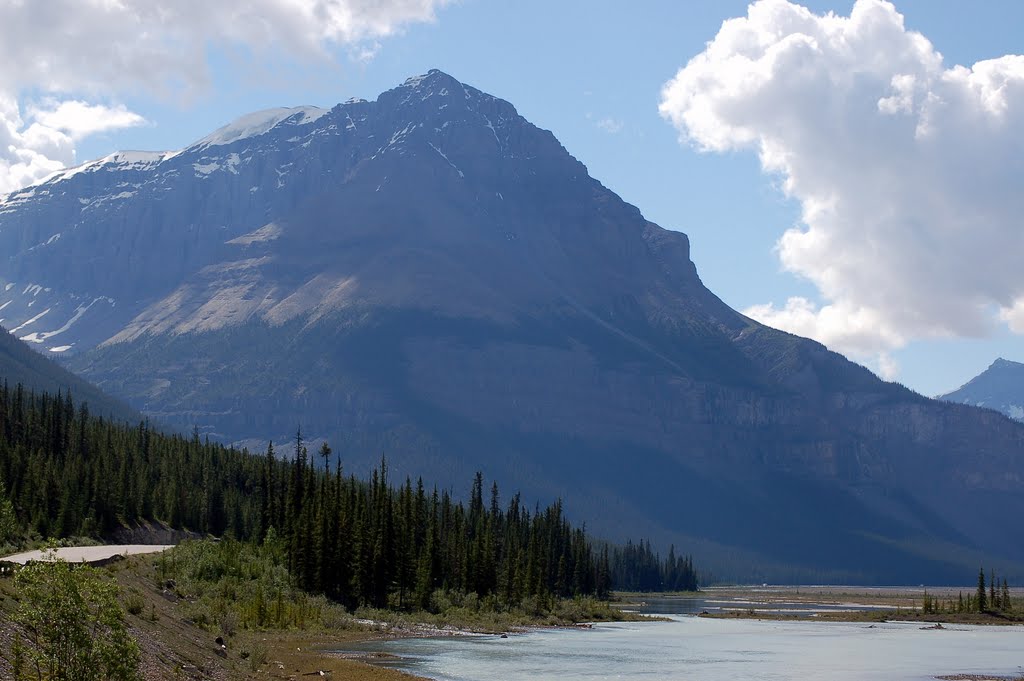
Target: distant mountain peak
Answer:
pixel 999 387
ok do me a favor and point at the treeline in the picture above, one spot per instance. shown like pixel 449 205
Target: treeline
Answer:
pixel 67 473
pixel 996 600
pixel 636 567
pixel 373 544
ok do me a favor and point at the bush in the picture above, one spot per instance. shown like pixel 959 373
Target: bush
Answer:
pixel 229 623
pixel 134 603
pixel 74 625
pixel 256 653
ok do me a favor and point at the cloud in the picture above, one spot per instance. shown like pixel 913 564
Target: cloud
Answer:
pixel 79 119
pixel 1014 316
pixel 610 125
pixel 76 45
pixel 74 52
pixel 28 153
pixel 907 171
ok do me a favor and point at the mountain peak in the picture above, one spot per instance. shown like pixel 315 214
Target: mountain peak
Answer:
pixel 259 122
pixel 439 87
pixel 431 80
pixel 999 387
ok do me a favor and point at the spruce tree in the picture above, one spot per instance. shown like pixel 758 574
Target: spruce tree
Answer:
pixel 980 597
pixel 325 454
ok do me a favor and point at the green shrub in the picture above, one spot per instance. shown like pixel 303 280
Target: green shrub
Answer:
pixel 134 603
pixel 74 625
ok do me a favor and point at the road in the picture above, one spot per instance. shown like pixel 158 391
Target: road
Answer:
pixel 89 554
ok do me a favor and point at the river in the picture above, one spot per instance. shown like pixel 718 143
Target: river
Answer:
pixel 703 649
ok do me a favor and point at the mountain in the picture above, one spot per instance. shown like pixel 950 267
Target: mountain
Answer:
pixel 21 364
pixel 431 276
pixel 1000 387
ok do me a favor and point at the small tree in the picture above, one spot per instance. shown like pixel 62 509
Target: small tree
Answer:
pixel 8 520
pixel 980 598
pixel 928 603
pixel 74 626
pixel 325 454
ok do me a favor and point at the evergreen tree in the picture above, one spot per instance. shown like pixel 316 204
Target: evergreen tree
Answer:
pixel 980 600
pixel 325 454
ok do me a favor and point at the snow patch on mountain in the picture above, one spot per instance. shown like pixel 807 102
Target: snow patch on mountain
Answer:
pixel 31 321
pixel 203 169
pixel 41 336
pixel 123 160
pixel 258 123
pixel 461 174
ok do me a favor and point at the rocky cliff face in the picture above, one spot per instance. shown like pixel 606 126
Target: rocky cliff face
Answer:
pixel 432 276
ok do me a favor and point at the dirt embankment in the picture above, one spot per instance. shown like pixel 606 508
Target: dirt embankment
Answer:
pixel 176 648
pixel 150 533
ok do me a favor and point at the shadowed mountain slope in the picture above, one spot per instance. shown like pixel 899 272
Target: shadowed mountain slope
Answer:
pixel 21 364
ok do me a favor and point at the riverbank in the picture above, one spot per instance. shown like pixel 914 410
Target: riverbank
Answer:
pixel 852 604
pixel 206 629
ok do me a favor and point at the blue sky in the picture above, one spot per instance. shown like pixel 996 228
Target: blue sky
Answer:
pixel 593 73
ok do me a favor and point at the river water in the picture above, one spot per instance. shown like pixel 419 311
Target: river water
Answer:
pixel 702 649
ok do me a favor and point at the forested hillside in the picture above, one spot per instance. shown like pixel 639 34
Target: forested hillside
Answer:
pixel 69 473
pixel 19 363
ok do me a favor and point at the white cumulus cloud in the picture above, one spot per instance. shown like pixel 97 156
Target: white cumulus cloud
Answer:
pixel 79 119
pixel 28 152
pixel 907 170
pixel 74 52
